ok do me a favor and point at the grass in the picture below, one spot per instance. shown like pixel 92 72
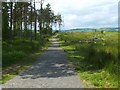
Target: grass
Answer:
pixel 93 56
pixel 19 56
pixel 99 79
pixel 19 67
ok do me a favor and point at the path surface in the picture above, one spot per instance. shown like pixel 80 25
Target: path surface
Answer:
pixel 50 71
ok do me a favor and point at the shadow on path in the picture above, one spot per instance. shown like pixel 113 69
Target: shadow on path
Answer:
pixel 51 64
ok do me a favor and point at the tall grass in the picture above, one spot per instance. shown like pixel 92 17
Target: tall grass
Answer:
pixel 93 51
pixel 15 51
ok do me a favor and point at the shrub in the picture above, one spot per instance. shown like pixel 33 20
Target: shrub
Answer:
pixel 12 57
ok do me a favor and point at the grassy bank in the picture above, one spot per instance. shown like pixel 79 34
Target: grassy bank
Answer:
pixel 94 56
pixel 19 55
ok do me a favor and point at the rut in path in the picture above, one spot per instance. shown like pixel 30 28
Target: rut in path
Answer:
pixel 50 71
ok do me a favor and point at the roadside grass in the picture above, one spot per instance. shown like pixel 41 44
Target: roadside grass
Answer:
pixel 19 56
pixel 99 79
pixel 19 67
pixel 94 56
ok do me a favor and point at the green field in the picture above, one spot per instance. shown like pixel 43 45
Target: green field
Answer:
pixel 94 56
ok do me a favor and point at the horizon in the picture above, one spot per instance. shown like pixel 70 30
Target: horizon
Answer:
pixel 88 28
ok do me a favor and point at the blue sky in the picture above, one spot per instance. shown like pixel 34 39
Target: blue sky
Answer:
pixel 86 13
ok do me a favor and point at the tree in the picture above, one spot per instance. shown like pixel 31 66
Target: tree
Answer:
pixel 31 20
pixel 19 17
pixel 35 18
pixel 59 19
pixel 5 24
pixel 11 18
pixel 14 20
pixel 25 13
pixel 55 22
pixel 41 16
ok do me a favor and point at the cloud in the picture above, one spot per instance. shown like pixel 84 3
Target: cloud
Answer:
pixel 86 13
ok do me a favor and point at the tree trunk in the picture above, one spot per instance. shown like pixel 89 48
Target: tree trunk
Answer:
pixel 25 20
pixel 35 21
pixel 14 21
pixel 31 24
pixel 21 22
pixel 11 16
pixel 41 17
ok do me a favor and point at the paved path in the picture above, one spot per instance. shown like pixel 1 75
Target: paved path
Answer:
pixel 50 71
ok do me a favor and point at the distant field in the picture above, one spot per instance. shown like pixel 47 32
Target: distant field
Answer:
pixel 94 56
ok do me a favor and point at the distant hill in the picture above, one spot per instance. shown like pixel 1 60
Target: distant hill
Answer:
pixel 91 30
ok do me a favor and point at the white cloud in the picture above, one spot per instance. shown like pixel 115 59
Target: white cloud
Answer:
pixel 86 13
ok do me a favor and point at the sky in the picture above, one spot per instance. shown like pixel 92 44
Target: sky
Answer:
pixel 86 13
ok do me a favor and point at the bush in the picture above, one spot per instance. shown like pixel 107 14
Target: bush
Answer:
pixel 12 57
pixel 14 51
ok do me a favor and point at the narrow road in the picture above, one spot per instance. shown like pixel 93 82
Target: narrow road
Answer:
pixel 50 71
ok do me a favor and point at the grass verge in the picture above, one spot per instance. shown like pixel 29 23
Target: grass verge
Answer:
pixel 19 65
pixel 94 62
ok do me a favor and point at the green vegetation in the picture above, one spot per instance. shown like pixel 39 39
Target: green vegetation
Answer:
pixel 94 56
pixel 22 39
pixel 19 55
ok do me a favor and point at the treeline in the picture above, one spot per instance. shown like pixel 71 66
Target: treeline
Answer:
pixel 25 34
pixel 21 20
pixel 26 30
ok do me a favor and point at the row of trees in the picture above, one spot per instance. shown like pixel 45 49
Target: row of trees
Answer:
pixel 23 20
